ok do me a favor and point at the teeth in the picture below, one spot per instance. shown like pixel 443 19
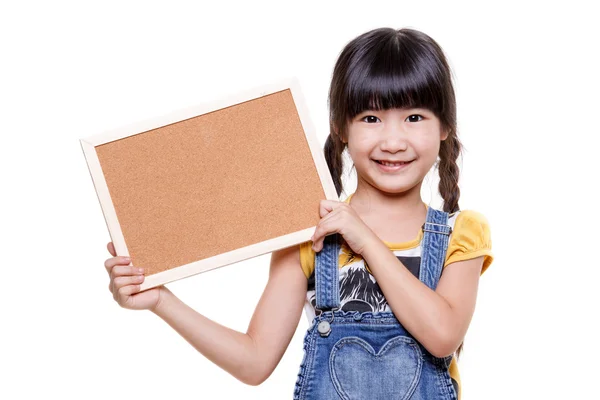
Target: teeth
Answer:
pixel 391 164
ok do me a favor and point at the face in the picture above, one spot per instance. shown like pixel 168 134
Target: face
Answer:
pixel 410 135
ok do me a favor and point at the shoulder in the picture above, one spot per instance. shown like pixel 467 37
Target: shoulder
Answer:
pixel 471 238
pixel 470 220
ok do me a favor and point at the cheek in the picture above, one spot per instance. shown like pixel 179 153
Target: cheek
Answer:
pixel 428 144
pixel 360 146
pixel 428 151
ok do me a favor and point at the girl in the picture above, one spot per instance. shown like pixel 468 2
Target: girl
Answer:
pixel 386 323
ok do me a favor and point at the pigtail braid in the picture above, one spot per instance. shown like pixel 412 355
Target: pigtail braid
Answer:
pixel 333 150
pixel 449 173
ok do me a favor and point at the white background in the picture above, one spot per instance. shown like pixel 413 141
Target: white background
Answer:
pixel 527 90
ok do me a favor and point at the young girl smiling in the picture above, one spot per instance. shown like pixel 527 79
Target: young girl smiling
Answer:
pixel 388 283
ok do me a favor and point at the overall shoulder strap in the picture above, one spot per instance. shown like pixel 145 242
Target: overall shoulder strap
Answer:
pixel 327 279
pixel 436 234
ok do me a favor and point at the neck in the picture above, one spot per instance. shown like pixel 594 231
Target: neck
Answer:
pixel 370 202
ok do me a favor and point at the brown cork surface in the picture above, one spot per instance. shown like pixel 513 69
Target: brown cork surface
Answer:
pixel 213 183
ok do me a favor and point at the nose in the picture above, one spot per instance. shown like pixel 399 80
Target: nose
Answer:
pixel 394 138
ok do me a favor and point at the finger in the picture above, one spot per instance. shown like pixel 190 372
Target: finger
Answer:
pixel 327 206
pixel 319 228
pixel 319 233
pixel 126 291
pixel 111 262
pixel 325 225
pixel 328 226
pixel 318 237
pixel 122 281
pixel 318 245
pixel 125 270
pixel 111 249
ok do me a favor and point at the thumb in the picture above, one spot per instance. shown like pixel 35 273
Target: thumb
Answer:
pixel 111 249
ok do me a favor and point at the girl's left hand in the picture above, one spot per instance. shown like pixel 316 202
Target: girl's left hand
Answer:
pixel 340 217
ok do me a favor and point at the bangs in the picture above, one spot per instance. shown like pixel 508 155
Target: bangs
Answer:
pixel 391 75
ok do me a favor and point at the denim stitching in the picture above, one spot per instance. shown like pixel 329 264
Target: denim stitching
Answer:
pixel 435 242
pixel 302 372
pixel 302 386
pixel 445 382
pixel 328 295
pixel 382 351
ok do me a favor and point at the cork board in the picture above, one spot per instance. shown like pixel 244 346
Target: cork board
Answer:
pixel 213 184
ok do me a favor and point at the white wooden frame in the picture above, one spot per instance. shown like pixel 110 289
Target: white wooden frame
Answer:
pixel 88 146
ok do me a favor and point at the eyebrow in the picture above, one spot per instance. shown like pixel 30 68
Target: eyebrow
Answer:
pixel 420 109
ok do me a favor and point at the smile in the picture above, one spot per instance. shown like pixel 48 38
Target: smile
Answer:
pixel 391 167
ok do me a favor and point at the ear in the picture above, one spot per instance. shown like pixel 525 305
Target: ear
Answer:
pixel 444 135
pixel 337 133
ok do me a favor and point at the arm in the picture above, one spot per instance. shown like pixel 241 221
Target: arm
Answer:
pixel 252 356
pixel 437 319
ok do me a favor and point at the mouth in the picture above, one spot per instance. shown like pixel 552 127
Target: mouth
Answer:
pixel 392 163
pixel 391 166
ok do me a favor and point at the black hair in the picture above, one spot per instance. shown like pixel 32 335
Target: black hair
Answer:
pixel 386 68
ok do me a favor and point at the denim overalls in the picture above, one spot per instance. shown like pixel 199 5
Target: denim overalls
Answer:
pixel 354 355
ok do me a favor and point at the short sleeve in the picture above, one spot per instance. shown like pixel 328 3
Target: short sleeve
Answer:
pixel 307 258
pixel 470 239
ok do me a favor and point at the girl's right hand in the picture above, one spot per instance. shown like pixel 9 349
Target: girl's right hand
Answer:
pixel 125 281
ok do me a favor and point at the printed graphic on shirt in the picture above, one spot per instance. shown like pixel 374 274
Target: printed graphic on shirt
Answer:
pixel 359 290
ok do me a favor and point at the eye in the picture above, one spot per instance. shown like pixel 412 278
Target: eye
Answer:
pixel 411 119
pixel 369 118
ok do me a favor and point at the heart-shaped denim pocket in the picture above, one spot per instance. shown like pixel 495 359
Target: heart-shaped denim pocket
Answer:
pixel 358 373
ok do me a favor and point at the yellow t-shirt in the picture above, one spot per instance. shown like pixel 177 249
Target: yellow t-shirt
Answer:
pixel 359 290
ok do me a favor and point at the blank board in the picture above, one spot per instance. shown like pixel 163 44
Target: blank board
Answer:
pixel 213 184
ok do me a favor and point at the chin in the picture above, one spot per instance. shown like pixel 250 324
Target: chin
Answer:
pixel 395 189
